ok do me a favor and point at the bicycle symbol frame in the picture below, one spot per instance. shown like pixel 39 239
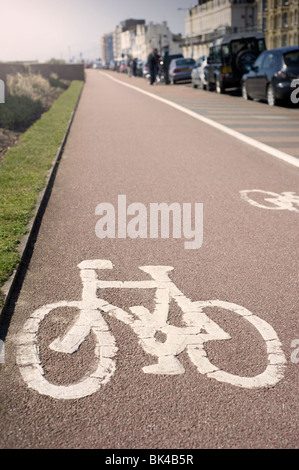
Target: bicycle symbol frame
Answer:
pixel 198 329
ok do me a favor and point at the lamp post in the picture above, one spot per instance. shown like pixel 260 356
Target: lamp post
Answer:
pixel 191 29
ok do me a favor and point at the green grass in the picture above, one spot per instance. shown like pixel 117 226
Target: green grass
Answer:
pixel 23 175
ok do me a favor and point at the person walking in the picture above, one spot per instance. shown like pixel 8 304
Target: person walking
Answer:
pixel 153 65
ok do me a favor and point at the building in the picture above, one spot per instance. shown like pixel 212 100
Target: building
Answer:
pixel 107 53
pixel 279 21
pixel 155 36
pixel 121 42
pixel 210 19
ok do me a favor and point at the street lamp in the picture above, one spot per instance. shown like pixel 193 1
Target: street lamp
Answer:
pixel 191 29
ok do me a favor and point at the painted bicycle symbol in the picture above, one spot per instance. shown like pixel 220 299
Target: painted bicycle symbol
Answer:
pixel 198 329
pixel 287 200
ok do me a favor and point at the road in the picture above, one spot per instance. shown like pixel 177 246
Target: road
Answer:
pixel 156 388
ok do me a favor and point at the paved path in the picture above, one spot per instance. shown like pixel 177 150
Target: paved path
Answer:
pixel 125 143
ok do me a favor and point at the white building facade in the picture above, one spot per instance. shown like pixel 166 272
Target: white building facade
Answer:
pixel 214 18
pixel 132 39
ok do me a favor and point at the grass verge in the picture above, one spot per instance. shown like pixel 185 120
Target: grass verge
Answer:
pixel 23 174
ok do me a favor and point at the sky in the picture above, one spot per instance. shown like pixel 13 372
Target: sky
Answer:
pixel 64 29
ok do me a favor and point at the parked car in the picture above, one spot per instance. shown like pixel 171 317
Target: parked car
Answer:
pixel 198 73
pixel 145 69
pixel 123 67
pixel 229 59
pixel 271 75
pixel 139 68
pixel 180 69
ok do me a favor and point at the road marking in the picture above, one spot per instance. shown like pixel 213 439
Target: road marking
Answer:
pixel 158 338
pixel 284 201
pixel 243 138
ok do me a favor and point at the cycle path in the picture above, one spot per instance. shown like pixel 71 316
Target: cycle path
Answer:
pixel 124 143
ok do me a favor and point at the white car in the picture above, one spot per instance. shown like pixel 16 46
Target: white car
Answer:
pixel 198 73
pixel 180 69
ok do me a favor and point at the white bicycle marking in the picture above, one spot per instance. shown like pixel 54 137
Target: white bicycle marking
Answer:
pixel 198 329
pixel 285 201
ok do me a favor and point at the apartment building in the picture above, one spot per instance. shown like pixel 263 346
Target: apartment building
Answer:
pixel 210 19
pixel 279 21
pixel 135 38
pixel 122 42
pixel 107 53
pixel 155 35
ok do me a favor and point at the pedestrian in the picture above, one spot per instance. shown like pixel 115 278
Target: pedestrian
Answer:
pixel 134 67
pixel 130 67
pixel 166 67
pixel 153 65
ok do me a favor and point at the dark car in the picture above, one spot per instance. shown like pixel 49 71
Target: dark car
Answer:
pixel 229 58
pixel 139 68
pixel 271 76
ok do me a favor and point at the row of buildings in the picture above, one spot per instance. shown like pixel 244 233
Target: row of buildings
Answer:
pixel 205 21
pixel 135 38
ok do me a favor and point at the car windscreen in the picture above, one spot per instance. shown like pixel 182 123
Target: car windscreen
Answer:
pixel 292 58
pixel 250 44
pixel 181 62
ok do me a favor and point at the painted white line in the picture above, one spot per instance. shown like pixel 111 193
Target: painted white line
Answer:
pixel 237 135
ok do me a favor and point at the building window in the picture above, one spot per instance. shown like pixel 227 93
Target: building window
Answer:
pixel 265 24
pixel 285 20
pixel 284 40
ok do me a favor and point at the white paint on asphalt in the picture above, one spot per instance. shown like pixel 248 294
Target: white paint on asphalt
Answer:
pixel 237 135
pixel 156 336
pixel 284 201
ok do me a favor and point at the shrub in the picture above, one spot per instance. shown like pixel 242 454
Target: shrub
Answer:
pixel 19 112
pixel 34 86
pixel 28 96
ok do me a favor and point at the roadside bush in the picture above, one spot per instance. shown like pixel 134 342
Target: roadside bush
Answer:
pixel 28 96
pixel 19 112
pixel 57 82
pixel 33 86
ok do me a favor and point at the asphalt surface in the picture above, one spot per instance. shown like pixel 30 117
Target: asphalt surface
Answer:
pixel 125 143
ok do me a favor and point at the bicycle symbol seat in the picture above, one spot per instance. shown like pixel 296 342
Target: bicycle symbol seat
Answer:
pixel 198 328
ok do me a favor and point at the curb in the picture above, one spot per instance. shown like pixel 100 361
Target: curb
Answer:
pixel 7 289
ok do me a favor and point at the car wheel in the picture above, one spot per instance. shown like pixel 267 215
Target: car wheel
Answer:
pixel 245 93
pixel 194 85
pixel 210 87
pixel 271 98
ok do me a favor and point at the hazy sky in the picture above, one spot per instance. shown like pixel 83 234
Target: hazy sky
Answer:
pixel 43 29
